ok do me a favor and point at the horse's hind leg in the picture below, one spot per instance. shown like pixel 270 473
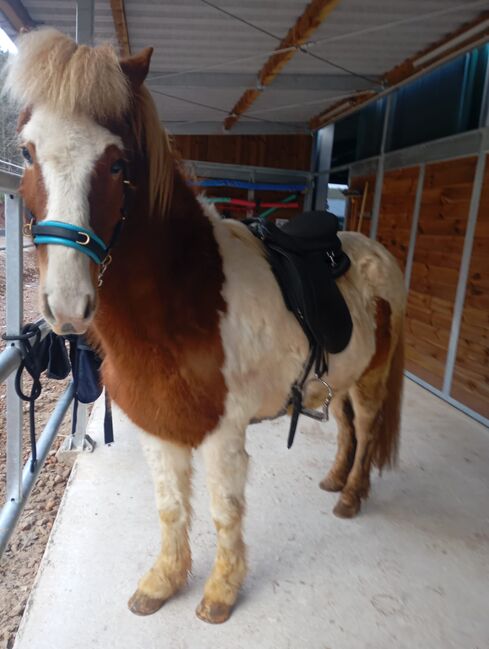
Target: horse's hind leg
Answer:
pixel 170 466
pixel 342 411
pixel 226 464
pixel 367 398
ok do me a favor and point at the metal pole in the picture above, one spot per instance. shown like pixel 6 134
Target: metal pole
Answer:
pixel 11 511
pixel 323 162
pixel 84 21
pixel 464 271
pixel 379 181
pixel 251 197
pixel 77 441
pixel 414 226
pixel 14 315
pixel 9 361
pixel 311 181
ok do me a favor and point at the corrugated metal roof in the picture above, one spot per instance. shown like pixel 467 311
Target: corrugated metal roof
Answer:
pixel 189 36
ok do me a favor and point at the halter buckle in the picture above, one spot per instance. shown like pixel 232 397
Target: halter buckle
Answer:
pixel 27 229
pixel 86 240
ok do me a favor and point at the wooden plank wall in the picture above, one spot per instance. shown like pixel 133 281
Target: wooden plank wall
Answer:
pixel 437 256
pixel 471 374
pixel 396 211
pixel 278 151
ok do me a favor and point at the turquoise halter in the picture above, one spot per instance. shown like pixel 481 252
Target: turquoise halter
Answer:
pixel 71 236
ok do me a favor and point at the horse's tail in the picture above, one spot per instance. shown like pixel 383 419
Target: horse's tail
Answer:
pixel 387 435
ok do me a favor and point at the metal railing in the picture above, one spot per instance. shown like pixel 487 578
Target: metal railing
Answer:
pixel 19 478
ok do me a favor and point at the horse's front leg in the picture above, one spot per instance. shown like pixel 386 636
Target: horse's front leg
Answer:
pixel 226 464
pixel 170 466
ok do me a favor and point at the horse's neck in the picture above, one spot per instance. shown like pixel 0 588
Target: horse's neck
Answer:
pixel 166 277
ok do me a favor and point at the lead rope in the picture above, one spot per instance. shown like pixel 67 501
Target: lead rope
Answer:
pixel 32 364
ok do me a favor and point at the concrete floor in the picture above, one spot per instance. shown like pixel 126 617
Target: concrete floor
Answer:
pixel 411 571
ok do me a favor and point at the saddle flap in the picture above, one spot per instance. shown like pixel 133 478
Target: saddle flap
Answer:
pixel 311 293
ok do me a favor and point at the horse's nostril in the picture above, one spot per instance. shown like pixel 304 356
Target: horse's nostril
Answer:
pixel 67 328
pixel 88 309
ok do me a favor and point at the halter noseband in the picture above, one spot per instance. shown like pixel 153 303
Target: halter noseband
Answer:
pixel 72 236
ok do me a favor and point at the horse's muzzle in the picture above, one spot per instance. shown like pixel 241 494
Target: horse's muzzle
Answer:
pixel 64 321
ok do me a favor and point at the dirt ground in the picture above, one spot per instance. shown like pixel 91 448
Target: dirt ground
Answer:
pixel 20 562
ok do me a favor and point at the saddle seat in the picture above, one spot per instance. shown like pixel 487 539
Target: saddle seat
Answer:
pixel 306 258
pixel 311 230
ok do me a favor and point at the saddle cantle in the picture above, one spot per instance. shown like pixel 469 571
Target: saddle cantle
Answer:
pixel 306 258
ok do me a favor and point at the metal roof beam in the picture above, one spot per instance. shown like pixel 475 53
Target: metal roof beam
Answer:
pixel 245 172
pixel 300 82
pixel 17 15
pixel 242 128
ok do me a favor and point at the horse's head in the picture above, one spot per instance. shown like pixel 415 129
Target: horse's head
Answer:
pixel 74 135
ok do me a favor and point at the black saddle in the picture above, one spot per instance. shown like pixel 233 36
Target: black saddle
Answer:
pixel 306 258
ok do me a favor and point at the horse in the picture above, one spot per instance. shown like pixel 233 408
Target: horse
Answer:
pixel 188 316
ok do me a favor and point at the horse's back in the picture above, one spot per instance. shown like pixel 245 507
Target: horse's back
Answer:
pixel 374 271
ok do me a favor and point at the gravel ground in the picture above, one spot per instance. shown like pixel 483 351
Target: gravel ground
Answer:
pixel 20 562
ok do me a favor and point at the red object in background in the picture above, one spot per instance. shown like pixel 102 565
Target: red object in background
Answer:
pixel 238 203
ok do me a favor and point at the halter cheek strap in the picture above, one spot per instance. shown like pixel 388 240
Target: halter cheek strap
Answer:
pixel 71 236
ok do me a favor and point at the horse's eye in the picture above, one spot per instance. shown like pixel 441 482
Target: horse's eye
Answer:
pixel 117 167
pixel 26 155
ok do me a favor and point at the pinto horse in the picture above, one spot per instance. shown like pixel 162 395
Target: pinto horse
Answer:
pixel 195 335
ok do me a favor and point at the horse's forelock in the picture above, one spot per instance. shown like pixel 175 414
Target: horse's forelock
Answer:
pixel 50 69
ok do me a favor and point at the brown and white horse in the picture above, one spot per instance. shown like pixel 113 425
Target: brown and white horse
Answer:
pixel 191 323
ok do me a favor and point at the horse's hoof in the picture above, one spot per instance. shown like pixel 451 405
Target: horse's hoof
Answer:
pixel 346 510
pixel 142 604
pixel 331 483
pixel 213 612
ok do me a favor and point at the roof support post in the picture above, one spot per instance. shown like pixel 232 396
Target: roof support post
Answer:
pixel 463 274
pixel 324 151
pixel 379 180
pixel 84 21
pixel 414 226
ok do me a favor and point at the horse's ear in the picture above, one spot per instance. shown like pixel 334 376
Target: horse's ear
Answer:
pixel 136 67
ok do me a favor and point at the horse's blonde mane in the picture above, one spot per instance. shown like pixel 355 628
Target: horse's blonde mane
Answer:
pixel 51 70
pixel 154 143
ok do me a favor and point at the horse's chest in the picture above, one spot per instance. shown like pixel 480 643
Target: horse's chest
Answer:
pixel 178 399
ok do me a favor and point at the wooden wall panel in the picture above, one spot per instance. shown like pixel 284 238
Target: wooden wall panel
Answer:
pixel 439 243
pixel 278 151
pixel 396 211
pixel 471 374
